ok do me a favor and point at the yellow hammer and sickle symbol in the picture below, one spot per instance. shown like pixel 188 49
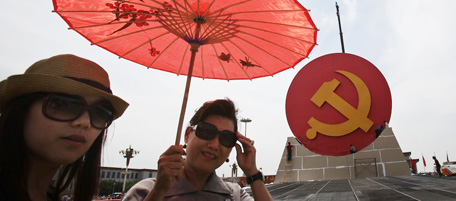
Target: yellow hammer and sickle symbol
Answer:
pixel 357 117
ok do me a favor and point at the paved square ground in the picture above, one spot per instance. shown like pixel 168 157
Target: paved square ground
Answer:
pixel 368 189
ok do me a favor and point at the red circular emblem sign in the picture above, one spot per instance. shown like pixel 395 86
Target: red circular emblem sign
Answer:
pixel 336 101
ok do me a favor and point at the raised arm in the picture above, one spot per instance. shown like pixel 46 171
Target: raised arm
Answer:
pixel 246 158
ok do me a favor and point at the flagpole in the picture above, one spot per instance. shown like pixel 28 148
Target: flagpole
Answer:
pixel 340 29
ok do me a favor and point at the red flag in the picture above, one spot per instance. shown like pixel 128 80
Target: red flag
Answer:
pixel 413 163
pixel 424 161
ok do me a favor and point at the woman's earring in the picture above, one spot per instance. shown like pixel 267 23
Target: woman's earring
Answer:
pixel 227 160
pixel 185 146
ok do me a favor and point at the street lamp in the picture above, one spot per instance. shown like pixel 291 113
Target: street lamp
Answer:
pixel 113 185
pixel 234 172
pixel 246 120
pixel 128 154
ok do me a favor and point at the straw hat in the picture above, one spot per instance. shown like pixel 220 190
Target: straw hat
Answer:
pixel 65 74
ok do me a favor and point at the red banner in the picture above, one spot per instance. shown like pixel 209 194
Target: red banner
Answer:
pixel 424 162
pixel 413 163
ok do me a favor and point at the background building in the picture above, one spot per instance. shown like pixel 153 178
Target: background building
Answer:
pixel 115 173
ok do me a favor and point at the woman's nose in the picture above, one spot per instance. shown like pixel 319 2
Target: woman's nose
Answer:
pixel 214 143
pixel 83 120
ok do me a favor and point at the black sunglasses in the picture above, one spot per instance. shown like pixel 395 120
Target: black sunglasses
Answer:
pixel 207 131
pixel 62 107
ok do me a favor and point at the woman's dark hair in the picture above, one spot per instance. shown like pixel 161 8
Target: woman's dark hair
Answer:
pixel 219 107
pixel 14 161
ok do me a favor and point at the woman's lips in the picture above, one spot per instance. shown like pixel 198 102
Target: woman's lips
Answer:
pixel 75 139
pixel 208 155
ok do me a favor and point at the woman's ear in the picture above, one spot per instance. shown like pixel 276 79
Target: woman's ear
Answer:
pixel 187 133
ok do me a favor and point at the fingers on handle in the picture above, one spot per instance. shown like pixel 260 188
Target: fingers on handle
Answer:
pixel 171 162
pixel 174 149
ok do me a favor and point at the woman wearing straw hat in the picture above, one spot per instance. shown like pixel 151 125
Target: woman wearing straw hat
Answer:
pixel 208 143
pixel 54 119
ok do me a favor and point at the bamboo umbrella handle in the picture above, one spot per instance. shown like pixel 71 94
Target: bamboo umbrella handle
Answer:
pixel 193 49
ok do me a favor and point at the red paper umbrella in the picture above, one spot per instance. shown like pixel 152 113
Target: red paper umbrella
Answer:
pixel 216 39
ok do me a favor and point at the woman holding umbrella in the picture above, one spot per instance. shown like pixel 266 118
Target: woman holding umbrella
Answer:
pixel 53 124
pixel 208 143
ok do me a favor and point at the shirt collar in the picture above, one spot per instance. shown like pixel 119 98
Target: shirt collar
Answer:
pixel 183 186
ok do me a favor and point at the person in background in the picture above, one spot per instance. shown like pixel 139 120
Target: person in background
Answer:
pixel 378 130
pixel 386 124
pixel 289 150
pixel 437 166
pixel 53 123
pixel 352 149
pixel 208 143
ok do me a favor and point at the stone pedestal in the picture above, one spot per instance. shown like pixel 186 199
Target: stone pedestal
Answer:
pixel 382 158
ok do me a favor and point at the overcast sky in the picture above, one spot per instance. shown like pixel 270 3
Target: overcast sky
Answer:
pixel 411 42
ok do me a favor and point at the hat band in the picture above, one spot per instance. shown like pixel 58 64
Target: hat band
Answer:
pixel 91 83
